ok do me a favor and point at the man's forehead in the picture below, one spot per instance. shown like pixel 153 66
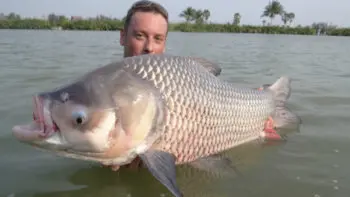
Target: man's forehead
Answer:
pixel 151 22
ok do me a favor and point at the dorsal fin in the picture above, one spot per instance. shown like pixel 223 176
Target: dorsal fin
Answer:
pixel 212 67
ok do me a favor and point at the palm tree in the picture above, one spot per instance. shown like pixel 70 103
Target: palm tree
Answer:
pixel 13 16
pixel 189 14
pixel 236 19
pixel 272 9
pixel 288 17
pixel 198 17
pixel 206 15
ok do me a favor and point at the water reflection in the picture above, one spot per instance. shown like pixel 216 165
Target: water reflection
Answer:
pixel 97 181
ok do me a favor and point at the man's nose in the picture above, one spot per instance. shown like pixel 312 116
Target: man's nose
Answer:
pixel 148 48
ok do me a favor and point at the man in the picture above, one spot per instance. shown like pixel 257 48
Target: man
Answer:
pixel 145 32
pixel 145 29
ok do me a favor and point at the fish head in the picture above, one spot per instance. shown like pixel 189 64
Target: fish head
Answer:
pixel 96 119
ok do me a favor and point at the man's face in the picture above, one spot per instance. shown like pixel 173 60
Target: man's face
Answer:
pixel 146 33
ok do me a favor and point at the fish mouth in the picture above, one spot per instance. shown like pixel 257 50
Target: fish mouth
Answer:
pixel 42 126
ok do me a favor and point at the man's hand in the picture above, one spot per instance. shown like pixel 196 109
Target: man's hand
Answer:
pixel 134 165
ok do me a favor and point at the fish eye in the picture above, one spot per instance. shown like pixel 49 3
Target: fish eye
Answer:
pixel 79 117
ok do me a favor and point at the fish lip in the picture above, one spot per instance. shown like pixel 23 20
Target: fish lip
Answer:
pixel 42 127
pixel 42 116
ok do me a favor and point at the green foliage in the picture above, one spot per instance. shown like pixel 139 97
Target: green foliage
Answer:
pixel 273 9
pixel 339 32
pixel 189 14
pixel 102 23
pixel 93 24
pixel 24 24
pixel 287 17
pixel 323 28
pixel 236 18
pixel 229 28
pixel 198 16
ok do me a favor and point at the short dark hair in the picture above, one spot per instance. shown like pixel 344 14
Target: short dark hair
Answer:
pixel 145 6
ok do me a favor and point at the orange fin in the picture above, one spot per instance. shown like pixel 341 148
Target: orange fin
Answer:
pixel 270 131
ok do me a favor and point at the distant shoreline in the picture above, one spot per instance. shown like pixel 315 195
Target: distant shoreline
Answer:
pixel 115 25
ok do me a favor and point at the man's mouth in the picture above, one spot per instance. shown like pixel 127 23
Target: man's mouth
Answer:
pixel 42 126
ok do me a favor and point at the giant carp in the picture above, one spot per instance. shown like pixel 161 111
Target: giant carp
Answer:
pixel 164 109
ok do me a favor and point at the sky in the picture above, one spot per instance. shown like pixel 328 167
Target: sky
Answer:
pixel 306 11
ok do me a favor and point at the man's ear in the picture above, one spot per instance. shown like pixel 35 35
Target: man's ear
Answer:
pixel 122 37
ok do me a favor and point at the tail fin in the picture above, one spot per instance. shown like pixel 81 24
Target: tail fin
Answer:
pixel 283 117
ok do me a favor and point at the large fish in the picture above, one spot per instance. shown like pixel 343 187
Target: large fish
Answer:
pixel 163 109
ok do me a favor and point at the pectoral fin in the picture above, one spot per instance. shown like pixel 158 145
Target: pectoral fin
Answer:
pixel 162 167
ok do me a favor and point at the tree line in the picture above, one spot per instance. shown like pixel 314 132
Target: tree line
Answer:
pixel 195 20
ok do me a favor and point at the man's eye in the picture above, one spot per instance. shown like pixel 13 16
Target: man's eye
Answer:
pixel 138 36
pixel 159 39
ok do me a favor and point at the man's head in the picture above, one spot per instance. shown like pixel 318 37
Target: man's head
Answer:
pixel 145 29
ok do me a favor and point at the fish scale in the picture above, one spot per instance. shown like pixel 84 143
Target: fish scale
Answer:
pixel 205 114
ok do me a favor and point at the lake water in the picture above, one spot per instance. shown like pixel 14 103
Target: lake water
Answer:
pixel 312 163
